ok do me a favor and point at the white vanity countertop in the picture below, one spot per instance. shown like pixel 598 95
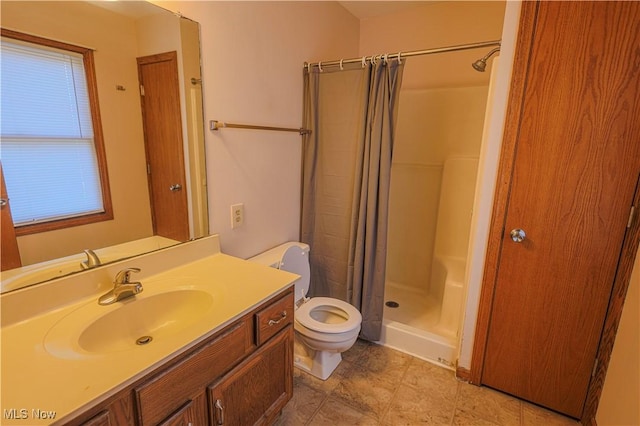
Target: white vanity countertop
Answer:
pixel 34 379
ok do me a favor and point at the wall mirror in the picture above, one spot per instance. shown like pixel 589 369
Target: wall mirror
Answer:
pixel 134 44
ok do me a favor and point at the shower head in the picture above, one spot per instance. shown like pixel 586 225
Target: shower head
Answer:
pixel 481 64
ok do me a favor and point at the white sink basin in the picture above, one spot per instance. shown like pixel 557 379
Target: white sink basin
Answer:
pixel 124 326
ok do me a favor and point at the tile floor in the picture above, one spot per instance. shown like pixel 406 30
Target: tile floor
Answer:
pixel 375 385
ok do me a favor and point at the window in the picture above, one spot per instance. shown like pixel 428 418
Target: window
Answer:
pixel 52 151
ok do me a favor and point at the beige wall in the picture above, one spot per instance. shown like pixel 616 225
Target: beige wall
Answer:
pixel 120 111
pixel 252 55
pixel 433 125
pixel 158 33
pixel 443 23
pixel 619 402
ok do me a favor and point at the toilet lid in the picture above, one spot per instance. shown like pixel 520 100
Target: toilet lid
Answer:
pixel 296 260
pixel 304 315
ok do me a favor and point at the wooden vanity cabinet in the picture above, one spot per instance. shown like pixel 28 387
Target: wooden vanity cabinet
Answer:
pixel 168 391
pixel 241 375
pixel 117 410
pixel 255 391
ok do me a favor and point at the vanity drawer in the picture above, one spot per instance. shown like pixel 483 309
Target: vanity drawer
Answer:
pixel 169 390
pixel 274 318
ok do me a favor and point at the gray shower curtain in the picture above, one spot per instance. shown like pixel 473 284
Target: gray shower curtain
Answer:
pixel 346 174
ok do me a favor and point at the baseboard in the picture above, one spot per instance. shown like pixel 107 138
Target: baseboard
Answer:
pixel 463 374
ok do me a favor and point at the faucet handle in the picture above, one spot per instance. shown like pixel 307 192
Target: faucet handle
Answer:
pixel 123 276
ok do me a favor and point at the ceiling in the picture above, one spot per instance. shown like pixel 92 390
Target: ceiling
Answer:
pixel 132 9
pixel 368 9
pixel 359 9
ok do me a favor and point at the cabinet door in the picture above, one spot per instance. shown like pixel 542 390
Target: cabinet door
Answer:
pixel 115 413
pixel 192 413
pixel 101 419
pixel 574 176
pixel 255 391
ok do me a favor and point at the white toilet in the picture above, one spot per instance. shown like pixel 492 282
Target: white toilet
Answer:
pixel 324 326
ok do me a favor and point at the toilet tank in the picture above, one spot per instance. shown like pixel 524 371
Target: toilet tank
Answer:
pixel 273 257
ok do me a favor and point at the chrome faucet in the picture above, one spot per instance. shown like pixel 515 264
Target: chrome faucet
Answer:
pixel 122 288
pixel 92 260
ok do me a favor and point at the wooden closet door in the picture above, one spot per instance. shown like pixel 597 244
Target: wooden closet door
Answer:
pixel 9 251
pixel 576 164
pixel 161 117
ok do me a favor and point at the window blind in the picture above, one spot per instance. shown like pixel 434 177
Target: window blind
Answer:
pixel 47 148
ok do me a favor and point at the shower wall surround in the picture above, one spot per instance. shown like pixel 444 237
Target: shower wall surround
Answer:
pixel 433 125
pixel 441 117
pixel 432 192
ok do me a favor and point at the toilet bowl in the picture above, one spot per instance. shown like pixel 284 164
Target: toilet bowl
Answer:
pixel 324 327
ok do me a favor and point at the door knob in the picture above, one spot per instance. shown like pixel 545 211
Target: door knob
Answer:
pixel 517 235
pixel 4 202
pixel 176 187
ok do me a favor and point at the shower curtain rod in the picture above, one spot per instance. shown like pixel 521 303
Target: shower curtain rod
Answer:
pixel 401 55
pixel 215 124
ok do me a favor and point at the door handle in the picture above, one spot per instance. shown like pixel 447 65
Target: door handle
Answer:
pixel 220 410
pixel 175 187
pixel 4 202
pixel 283 316
pixel 517 235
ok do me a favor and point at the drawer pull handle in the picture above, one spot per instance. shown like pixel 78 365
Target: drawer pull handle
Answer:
pixel 283 315
pixel 220 411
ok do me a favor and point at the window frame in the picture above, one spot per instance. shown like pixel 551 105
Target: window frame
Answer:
pixel 98 138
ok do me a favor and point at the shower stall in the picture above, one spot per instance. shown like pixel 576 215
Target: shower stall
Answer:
pixel 433 180
pixel 437 138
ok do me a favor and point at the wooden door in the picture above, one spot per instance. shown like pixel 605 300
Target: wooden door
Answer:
pixel 575 168
pixel 9 250
pixel 160 98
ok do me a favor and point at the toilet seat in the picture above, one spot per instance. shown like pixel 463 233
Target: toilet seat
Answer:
pixel 324 327
pixel 352 320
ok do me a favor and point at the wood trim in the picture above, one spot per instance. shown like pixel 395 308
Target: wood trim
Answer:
pixel 515 104
pixel 30 38
pixel 158 57
pixel 98 137
pixel 463 374
pixel 614 313
pixel 63 223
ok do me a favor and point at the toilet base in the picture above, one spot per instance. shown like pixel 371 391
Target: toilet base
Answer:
pixel 317 363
